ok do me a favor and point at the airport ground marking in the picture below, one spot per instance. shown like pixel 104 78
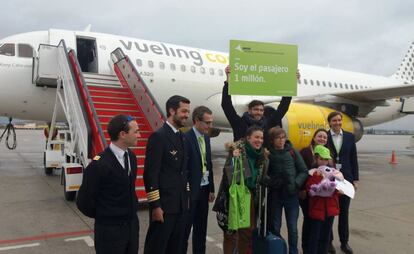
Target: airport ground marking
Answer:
pixel 46 236
pixel 88 240
pixel 19 246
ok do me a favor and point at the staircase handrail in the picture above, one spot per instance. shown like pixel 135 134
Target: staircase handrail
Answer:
pixel 117 57
pixel 74 111
pixel 100 143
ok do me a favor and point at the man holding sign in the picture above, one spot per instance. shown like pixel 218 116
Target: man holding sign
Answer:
pixel 259 69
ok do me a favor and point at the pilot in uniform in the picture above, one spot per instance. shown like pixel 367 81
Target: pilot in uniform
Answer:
pixel 108 194
pixel 166 184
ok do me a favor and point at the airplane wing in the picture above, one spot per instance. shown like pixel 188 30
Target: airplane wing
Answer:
pixel 365 100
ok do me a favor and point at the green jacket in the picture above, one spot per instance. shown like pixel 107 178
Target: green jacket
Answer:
pixel 287 170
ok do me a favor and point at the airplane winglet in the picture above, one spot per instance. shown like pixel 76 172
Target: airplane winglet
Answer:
pixel 87 28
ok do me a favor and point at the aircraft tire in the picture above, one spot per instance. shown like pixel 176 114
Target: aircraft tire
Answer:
pixel 69 195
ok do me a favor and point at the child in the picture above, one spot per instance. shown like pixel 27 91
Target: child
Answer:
pixel 323 201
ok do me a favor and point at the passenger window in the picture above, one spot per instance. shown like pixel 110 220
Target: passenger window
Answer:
pixel 220 72
pixel 139 62
pixel 346 86
pixel 317 83
pixel 330 84
pixel 193 69
pixel 336 85
pixel 311 82
pixel 162 65
pixel 7 49
pixel 172 67
pixel 305 81
pixel 340 85
pixel 182 67
pixel 323 83
pixel 151 64
pixel 298 81
pixel 25 50
pixel 351 86
pixel 211 71
pixel 202 70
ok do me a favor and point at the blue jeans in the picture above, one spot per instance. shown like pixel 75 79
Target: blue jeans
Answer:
pixel 290 203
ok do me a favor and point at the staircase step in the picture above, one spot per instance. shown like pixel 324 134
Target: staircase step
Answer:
pixel 104 93
pixel 97 75
pixel 114 90
pixel 106 119
pixel 114 106
pixel 104 85
pixel 114 112
pixel 119 100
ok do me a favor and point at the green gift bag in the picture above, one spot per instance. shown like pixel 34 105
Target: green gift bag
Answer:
pixel 239 198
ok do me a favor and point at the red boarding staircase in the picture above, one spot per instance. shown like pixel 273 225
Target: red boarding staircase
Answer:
pixel 109 95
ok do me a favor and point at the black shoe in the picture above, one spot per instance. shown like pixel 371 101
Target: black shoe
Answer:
pixel 331 249
pixel 346 248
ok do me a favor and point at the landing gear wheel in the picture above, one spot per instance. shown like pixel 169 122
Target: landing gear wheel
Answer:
pixel 48 171
pixel 69 195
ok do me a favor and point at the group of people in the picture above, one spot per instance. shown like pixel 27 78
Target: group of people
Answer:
pixel 178 179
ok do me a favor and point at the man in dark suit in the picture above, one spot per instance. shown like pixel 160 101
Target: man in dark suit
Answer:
pixel 166 181
pixel 107 192
pixel 346 160
pixel 200 170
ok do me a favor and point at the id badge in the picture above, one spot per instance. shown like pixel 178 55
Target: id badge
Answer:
pixel 204 180
pixel 338 166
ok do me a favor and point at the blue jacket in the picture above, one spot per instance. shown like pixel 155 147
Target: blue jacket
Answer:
pixel 194 166
pixel 347 156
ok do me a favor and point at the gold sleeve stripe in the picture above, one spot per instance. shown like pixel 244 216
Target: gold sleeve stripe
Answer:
pixel 153 195
pixel 153 192
pixel 152 199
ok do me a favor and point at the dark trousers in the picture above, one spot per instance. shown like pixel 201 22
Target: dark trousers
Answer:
pixel 319 234
pixel 119 238
pixel 279 201
pixel 166 237
pixel 343 222
pixel 304 205
pixel 198 221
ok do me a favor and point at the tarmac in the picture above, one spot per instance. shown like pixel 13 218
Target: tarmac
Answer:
pixel 35 218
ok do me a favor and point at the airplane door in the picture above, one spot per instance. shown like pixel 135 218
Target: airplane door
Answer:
pixel 87 54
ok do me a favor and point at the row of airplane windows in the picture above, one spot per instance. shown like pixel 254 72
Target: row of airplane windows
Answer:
pixel 333 84
pixel 220 72
pixel 182 67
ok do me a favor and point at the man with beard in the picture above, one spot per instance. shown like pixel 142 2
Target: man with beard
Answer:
pixel 166 181
pixel 257 114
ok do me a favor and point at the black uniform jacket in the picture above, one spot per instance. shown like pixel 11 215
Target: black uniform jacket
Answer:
pixel 165 171
pixel 347 156
pixel 107 192
pixel 195 167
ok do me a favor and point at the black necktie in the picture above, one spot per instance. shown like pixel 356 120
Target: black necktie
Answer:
pixel 126 164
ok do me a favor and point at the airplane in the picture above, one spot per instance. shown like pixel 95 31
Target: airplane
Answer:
pixel 198 74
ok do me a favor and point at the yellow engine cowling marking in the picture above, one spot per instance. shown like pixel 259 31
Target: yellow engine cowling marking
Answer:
pixel 305 119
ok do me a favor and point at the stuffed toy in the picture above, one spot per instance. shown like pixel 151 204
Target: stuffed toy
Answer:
pixel 326 187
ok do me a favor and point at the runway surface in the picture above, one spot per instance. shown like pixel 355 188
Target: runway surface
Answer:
pixel 35 218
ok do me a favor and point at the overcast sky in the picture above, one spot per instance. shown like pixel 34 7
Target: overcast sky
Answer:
pixel 368 36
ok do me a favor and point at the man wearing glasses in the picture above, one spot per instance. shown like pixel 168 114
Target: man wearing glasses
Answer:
pixel 200 170
pixel 107 192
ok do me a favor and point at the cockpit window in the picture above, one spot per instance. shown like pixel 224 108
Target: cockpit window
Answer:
pixel 25 50
pixel 7 49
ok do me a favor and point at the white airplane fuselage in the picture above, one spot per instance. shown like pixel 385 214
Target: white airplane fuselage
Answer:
pixel 167 70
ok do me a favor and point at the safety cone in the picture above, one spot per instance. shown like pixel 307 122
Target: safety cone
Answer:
pixel 393 158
